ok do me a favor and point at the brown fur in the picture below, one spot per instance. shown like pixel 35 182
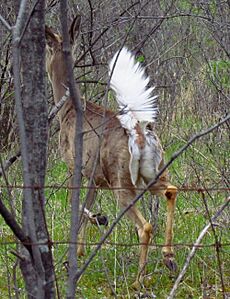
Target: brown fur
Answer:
pixel 140 136
pixel 113 168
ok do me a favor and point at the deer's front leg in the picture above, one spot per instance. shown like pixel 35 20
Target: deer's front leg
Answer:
pixel 168 254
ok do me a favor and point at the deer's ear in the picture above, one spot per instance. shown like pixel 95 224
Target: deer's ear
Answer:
pixel 75 29
pixel 51 38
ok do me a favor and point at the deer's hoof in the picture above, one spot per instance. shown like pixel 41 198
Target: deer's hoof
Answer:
pixel 98 219
pixel 170 263
pixel 80 251
pixel 103 220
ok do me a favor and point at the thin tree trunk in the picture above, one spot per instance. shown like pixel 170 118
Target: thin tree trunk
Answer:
pixel 29 40
pixel 76 179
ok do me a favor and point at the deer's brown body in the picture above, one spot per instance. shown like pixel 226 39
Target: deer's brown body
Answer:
pixel 113 167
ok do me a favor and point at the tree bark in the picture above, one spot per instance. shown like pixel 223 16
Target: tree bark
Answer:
pixel 31 109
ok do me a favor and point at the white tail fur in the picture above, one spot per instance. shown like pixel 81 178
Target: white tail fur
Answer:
pixel 129 82
pixel 138 107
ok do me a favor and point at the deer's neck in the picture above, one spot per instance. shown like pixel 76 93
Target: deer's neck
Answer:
pixel 59 86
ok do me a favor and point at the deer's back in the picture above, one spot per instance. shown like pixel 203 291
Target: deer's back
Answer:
pixel 113 151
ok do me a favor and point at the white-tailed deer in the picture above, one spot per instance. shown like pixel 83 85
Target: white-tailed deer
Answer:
pixel 130 153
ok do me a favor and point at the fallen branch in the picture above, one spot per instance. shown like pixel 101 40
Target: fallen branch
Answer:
pixel 194 248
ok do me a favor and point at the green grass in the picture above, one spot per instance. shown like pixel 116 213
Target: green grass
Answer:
pixel 204 164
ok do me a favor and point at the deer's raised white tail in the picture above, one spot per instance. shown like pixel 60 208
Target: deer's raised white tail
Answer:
pixel 138 108
pixel 130 83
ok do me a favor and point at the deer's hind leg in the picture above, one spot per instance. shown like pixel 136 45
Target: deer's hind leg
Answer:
pixel 144 232
pixel 162 187
pixel 168 252
pixel 83 220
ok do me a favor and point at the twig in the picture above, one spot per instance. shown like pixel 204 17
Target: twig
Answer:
pixel 18 255
pixel 179 15
pixel 12 223
pixel 103 32
pixel 217 243
pixel 56 108
pixel 195 137
pixel 193 250
pixel 5 23
pixel 152 31
pixel 9 162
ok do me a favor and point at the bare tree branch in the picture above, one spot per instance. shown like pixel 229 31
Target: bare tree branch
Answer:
pixel 57 107
pixel 14 226
pixel 102 33
pixel 152 31
pixel 5 23
pixel 76 179
pixel 6 165
pixel 216 243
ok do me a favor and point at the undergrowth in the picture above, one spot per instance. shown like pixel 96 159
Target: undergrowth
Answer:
pixel 204 165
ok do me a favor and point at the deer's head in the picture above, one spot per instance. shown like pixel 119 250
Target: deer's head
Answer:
pixel 54 50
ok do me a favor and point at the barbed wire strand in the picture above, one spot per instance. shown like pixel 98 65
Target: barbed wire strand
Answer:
pixel 119 244
pixel 68 187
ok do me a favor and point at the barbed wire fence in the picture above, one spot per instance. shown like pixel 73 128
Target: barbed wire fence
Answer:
pixel 201 191
pixel 212 222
